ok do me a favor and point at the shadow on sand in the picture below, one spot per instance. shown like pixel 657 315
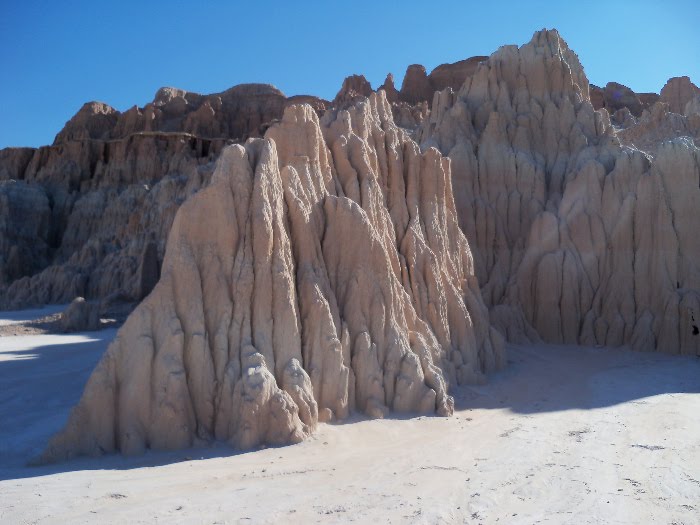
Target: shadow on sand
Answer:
pixel 39 386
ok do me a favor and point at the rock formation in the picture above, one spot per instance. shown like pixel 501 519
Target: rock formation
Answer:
pixel 354 88
pixel 453 75
pixel 551 177
pixel 237 113
pixel 576 237
pixel 416 86
pixel 89 216
pixel 322 270
pixel 24 230
pixel 656 126
pixel 80 316
pixel 91 208
pixel 410 104
pixel 133 169
pixel 615 96
pixel 677 92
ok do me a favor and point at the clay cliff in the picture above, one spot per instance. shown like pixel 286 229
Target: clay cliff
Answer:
pixel 89 215
pixel 578 235
pixel 615 97
pixel 552 179
pixel 321 271
pixel 237 113
pixel 410 105
pixel 364 254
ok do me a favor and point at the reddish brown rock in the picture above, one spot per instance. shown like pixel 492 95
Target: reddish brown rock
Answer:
pixel 392 94
pixel 416 86
pixel 354 88
pixel 454 75
pixel 677 92
pixel 617 96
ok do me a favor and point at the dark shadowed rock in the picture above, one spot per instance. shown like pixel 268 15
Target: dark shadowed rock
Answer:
pixel 80 316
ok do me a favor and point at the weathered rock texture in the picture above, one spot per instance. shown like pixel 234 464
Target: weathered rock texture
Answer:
pixel 238 113
pixel 552 180
pixel 576 237
pixel 410 104
pixel 89 216
pixel 83 213
pixel 677 92
pixel 80 316
pixel 88 212
pixel 615 97
pixel 322 270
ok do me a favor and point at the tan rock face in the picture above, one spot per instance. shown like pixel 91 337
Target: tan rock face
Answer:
pixel 615 96
pixel 573 234
pixel 321 271
pixel 392 94
pixel 410 105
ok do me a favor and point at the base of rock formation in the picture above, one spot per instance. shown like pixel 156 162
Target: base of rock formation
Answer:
pixel 322 271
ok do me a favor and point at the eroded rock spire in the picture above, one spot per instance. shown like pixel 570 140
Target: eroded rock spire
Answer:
pixel 322 270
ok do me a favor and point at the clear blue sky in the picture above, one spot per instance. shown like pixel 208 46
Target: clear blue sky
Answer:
pixel 56 55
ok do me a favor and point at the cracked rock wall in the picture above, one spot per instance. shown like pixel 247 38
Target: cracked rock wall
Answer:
pixel 322 271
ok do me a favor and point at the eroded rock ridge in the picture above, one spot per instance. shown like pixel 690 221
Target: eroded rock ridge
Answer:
pixel 321 271
pixel 582 231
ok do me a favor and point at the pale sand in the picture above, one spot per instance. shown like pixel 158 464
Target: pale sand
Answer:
pixel 563 435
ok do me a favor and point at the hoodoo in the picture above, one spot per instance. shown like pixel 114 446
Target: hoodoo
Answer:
pixel 322 270
pixel 576 232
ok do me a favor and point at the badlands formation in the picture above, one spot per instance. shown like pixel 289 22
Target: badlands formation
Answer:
pixel 365 254
pixel 321 271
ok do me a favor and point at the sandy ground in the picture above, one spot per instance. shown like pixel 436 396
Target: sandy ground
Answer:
pixel 564 435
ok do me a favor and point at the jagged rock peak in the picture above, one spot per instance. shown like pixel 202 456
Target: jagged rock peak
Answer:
pixel 237 113
pixel 454 74
pixel 545 67
pixel 677 92
pixel 322 271
pixel 574 234
pixel 354 87
pixel 615 97
pixel 94 120
pixel 392 94
pixel 416 85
